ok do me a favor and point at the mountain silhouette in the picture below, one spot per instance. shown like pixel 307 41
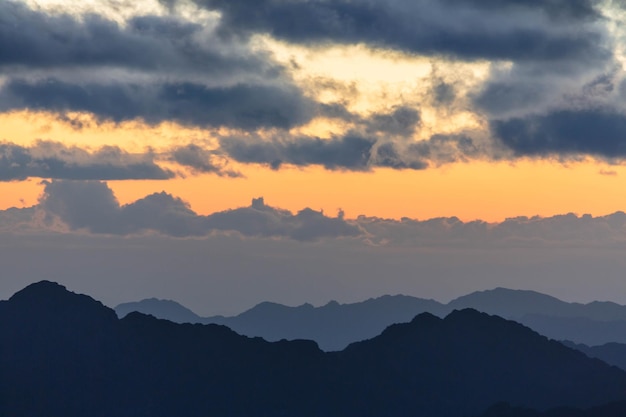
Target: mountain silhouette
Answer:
pixel 577 329
pixel 615 409
pixel 515 304
pixel 334 326
pixel 162 309
pixel 611 353
pixel 64 354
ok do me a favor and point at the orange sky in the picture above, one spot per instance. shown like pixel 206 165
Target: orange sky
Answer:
pixel 488 191
pixel 475 190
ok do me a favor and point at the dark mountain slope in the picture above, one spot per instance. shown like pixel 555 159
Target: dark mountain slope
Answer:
pixel 615 409
pixel 515 304
pixel 63 354
pixel 510 303
pixel 611 353
pixel 161 309
pixel 333 326
pixel 577 329
pixel 469 358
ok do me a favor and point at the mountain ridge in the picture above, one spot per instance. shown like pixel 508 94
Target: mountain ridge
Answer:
pixel 336 325
pixel 143 366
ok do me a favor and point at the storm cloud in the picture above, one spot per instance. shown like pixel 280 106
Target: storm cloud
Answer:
pixel 551 85
pixel 33 39
pixel 597 132
pixel 201 160
pixel 152 68
pixel 353 151
pixel 239 106
pixel 467 29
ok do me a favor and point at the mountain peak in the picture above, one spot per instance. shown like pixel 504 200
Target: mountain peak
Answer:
pixel 163 309
pixel 508 303
pixel 42 291
pixel 47 300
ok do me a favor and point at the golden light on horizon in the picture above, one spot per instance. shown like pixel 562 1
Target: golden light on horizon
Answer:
pixel 481 190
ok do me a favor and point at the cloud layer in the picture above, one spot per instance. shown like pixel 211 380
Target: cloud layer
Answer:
pixel 47 159
pixel 91 208
pixel 552 87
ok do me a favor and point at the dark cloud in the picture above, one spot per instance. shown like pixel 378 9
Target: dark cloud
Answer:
pixel 532 88
pixel 351 152
pixel 82 204
pixel 153 68
pixel 508 30
pixel 401 121
pixel 92 206
pixel 442 149
pixel 596 132
pixel 240 106
pixel 443 93
pixel 337 111
pixel 498 97
pixel 388 156
pixel 200 160
pixel 565 9
pixel 33 39
pixel 58 161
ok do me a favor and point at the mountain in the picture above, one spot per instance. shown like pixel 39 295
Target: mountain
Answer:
pixel 615 409
pixel 161 309
pixel 333 326
pixel 577 329
pixel 611 353
pixel 64 354
pixel 515 304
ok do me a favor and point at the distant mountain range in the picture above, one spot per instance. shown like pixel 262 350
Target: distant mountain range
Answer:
pixel 334 326
pixel 611 353
pixel 64 354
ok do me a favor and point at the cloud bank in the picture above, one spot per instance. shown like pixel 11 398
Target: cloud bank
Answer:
pixel 91 208
pixel 553 86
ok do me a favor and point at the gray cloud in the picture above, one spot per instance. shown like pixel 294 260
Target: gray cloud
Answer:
pixel 597 132
pixel 54 160
pixel 556 9
pixel 207 73
pixel 507 30
pixel 353 151
pixel 201 160
pixel 400 121
pixel 93 207
pixel 240 106
pixel 153 68
pixel 262 220
pixel 568 230
pixel 532 88
pixel 33 39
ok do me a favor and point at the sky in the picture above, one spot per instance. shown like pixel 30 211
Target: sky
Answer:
pixel 227 152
